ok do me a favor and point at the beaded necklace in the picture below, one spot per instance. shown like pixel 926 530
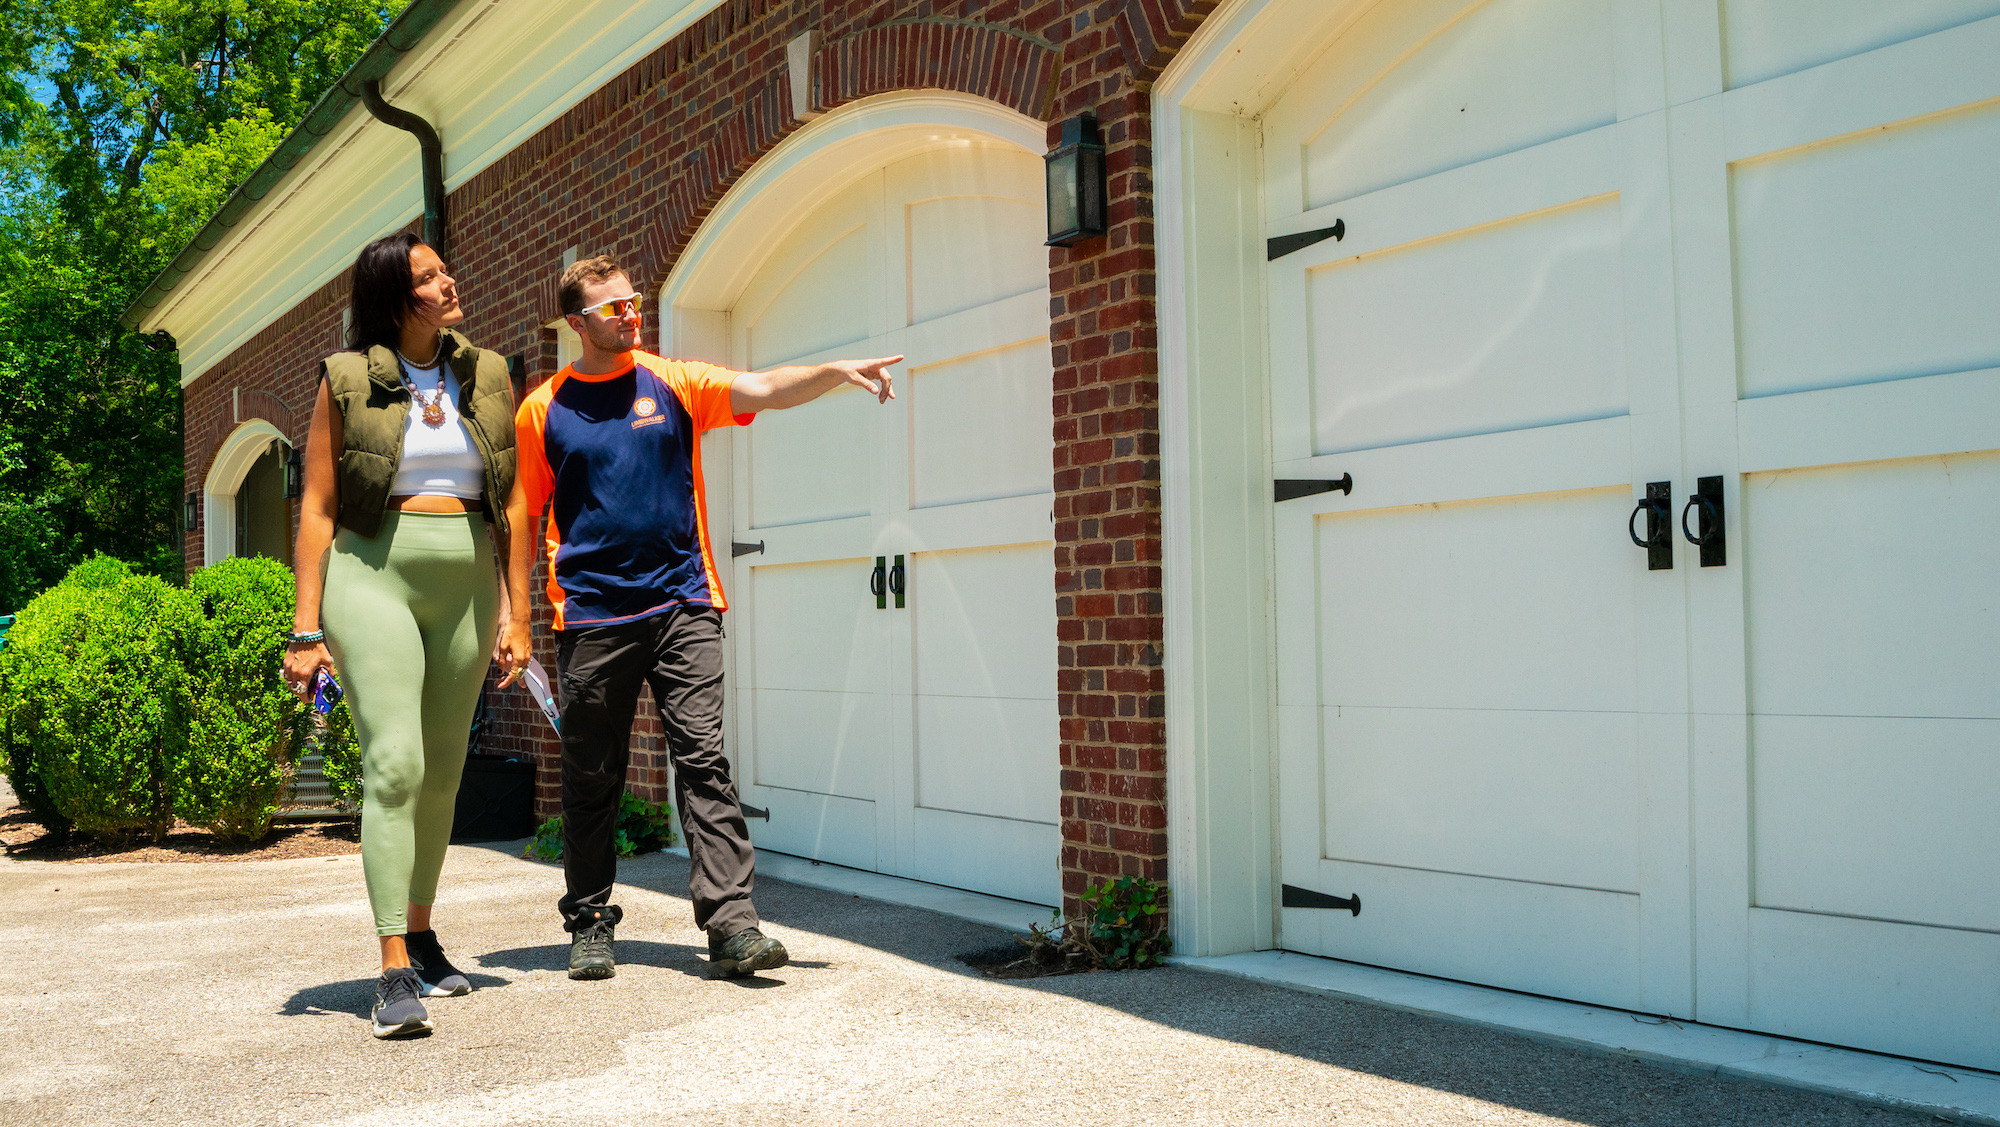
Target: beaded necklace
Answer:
pixel 433 413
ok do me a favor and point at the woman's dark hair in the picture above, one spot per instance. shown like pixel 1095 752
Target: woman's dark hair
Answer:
pixel 385 291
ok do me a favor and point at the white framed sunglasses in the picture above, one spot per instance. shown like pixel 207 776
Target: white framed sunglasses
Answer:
pixel 617 306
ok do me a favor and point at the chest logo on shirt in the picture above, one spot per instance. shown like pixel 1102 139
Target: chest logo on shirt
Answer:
pixel 644 407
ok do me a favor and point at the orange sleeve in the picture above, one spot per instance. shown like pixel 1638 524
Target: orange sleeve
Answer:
pixel 704 391
pixel 532 457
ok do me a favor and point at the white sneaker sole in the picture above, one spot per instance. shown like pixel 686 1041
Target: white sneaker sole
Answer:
pixel 453 986
pixel 415 1025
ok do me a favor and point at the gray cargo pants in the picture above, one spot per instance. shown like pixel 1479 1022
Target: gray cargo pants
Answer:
pixel 679 654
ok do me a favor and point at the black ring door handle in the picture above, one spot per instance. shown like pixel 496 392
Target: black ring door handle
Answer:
pixel 1711 521
pixel 878 582
pixel 1654 522
pixel 1658 506
pixel 896 581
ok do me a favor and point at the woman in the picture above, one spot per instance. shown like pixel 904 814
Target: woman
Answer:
pixel 409 461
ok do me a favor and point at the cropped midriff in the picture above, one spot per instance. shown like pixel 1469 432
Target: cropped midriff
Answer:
pixel 432 503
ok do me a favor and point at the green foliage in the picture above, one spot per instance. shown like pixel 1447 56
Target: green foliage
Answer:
pixel 341 757
pixel 125 124
pixel 107 703
pixel 642 827
pixel 244 722
pixel 1121 927
pixel 125 702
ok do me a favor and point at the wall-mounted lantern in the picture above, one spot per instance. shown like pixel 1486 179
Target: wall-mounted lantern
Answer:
pixel 1076 183
pixel 191 512
pixel 295 472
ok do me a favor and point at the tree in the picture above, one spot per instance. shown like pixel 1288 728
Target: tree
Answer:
pixel 125 123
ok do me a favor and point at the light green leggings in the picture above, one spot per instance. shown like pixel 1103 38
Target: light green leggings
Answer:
pixel 409 616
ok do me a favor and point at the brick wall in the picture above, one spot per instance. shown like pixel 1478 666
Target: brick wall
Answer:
pixel 633 170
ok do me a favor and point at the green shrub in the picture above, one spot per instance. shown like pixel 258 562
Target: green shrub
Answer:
pixel 97 573
pixel 32 676
pixel 244 723
pixel 340 757
pixel 642 827
pixel 105 701
pixel 1120 927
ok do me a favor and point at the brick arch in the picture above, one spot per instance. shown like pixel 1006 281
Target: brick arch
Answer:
pixel 984 60
pixel 1150 31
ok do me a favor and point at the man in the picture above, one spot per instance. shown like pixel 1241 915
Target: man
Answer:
pixel 612 440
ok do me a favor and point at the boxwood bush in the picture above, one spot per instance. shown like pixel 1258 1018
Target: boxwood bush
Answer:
pixel 125 702
pixel 244 725
pixel 103 696
pixel 31 674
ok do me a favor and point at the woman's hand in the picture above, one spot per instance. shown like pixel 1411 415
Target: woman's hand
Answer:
pixel 303 661
pixel 512 650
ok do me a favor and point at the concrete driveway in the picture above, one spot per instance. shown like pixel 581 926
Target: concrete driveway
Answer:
pixel 237 993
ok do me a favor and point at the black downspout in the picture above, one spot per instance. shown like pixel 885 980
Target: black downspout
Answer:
pixel 435 235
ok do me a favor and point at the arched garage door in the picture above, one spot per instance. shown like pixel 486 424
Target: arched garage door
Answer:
pixel 901 717
pixel 1589 246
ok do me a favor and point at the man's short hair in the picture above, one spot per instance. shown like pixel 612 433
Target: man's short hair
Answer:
pixel 584 272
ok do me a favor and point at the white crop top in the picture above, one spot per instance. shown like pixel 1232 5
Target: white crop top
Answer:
pixel 437 460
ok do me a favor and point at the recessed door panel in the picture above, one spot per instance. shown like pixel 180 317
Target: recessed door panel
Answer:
pixel 1514 325
pixel 1769 38
pixel 1506 75
pixel 1408 617
pixel 1907 286
pixel 807 466
pixel 816 679
pixel 975 426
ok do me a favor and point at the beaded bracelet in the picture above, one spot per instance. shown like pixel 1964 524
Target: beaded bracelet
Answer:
pixel 305 639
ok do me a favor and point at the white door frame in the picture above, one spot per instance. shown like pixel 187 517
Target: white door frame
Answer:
pixel 1216 530
pixel 226 472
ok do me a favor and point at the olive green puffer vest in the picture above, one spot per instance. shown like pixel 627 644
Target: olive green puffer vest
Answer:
pixel 374 408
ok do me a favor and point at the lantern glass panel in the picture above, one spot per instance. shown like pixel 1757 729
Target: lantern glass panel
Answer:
pixel 1064 211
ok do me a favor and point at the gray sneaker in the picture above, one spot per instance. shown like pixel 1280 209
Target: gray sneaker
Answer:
pixel 590 951
pixel 439 977
pixel 745 952
pixel 397 1011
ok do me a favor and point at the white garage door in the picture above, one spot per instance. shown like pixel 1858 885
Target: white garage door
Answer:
pixel 896 636
pixel 1587 247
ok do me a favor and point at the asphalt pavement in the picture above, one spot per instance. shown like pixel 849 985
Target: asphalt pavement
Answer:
pixel 238 993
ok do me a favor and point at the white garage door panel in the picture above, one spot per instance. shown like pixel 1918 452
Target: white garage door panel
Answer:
pixel 820 307
pixel 1835 803
pixel 972 250
pixel 1767 38
pixel 1869 589
pixel 1408 616
pixel 1914 202
pixel 805 465
pixel 1528 796
pixel 976 426
pixel 1925 992
pixel 1545 939
pixel 985 756
pixel 1507 75
pixel 826 743
pixel 1019 860
pixel 813 628
pixel 1513 325
pixel 840 831
pixel 982 611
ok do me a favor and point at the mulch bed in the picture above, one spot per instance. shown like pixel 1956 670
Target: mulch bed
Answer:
pixel 24 838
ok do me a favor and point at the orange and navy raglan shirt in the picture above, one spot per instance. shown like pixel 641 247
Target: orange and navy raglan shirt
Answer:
pixel 615 457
